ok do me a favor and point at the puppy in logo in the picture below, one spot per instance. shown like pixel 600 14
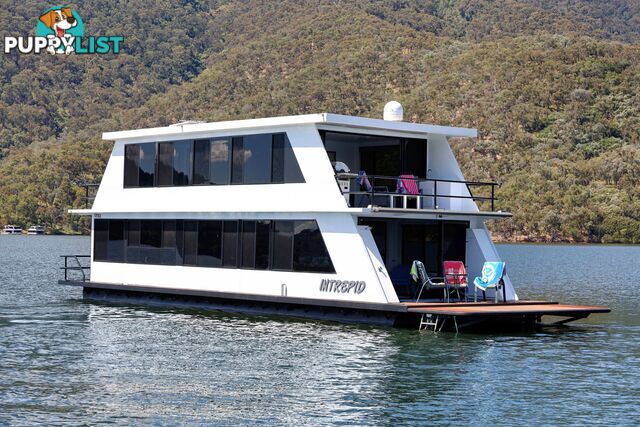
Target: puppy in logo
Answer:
pixel 59 21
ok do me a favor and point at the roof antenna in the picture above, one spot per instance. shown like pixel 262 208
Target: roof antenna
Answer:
pixel 393 111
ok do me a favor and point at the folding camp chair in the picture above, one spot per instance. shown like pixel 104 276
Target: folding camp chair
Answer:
pixel 492 274
pixel 419 274
pixel 407 186
pixel 455 276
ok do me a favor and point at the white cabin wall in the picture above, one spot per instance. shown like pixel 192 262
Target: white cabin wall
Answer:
pixel 345 245
pixel 480 248
pixel 319 193
pixel 442 164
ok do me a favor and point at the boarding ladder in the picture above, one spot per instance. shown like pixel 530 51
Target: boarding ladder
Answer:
pixel 432 322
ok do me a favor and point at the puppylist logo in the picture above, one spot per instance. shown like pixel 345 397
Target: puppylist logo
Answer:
pixel 60 30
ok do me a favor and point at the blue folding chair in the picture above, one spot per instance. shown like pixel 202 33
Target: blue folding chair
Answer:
pixel 492 274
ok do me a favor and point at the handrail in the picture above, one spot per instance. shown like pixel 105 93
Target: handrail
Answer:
pixel 372 180
pixel 87 186
pixel 81 268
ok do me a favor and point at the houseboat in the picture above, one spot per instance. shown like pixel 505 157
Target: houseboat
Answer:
pixel 12 229
pixel 35 229
pixel 321 215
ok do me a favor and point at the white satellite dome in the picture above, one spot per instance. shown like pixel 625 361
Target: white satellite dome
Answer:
pixel 393 111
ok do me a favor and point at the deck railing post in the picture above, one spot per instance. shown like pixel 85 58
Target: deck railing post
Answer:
pixel 65 268
pixel 373 187
pixel 493 190
pixel 435 194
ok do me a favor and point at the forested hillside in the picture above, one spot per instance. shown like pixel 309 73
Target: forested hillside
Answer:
pixel 552 87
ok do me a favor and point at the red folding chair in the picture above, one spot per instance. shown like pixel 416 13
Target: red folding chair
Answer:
pixel 408 186
pixel 455 277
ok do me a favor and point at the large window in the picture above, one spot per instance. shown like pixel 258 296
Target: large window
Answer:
pixel 262 245
pixel 252 159
pixel 256 168
pixel 140 165
pixel 210 243
pixel 211 161
pixel 282 245
pixel 230 244
pixel 309 250
pixel 109 240
pixel 174 163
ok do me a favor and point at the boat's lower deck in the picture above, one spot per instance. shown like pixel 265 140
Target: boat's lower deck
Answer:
pixel 521 315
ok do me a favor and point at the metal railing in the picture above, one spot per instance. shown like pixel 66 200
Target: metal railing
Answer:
pixel 89 195
pixel 380 186
pixel 76 266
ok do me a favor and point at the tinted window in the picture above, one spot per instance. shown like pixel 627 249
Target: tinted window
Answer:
pixel 165 163
pixel 151 234
pixel 100 239
pixel 168 234
pixel 133 238
pixel 262 244
pixel 277 159
pixel 309 251
pixel 238 161
pixel 253 159
pixel 278 245
pixel 220 161
pixel 147 164
pixel 282 245
pixel 210 243
pixel 115 250
pixel 133 242
pixel 257 159
pixel 292 173
pixel 201 163
pixel 230 244
pixel 190 242
pixel 179 242
pixel 182 162
pixel 248 244
pixel 131 165
pixel 167 255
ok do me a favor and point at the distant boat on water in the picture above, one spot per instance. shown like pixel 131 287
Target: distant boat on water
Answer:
pixel 12 229
pixel 35 229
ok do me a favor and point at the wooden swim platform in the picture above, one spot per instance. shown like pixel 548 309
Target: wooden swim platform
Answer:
pixel 523 314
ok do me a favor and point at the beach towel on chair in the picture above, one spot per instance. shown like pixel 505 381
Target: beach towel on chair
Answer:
pixel 491 275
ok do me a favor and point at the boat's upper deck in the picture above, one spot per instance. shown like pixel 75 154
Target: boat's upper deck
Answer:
pixel 241 166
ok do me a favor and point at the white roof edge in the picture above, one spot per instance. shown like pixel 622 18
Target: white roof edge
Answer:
pixel 322 118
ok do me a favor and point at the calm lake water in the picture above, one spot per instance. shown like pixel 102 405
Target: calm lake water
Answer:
pixel 63 360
